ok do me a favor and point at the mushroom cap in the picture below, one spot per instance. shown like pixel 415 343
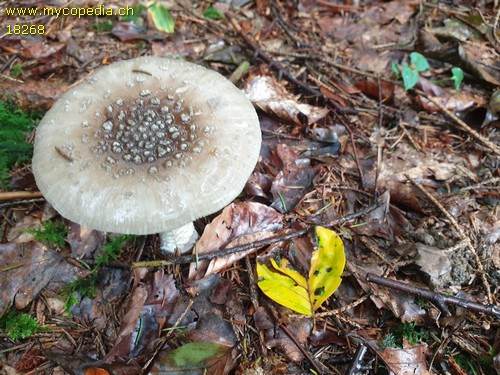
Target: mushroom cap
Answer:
pixel 145 146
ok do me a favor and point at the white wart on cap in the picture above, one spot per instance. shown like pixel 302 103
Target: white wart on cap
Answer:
pixel 145 146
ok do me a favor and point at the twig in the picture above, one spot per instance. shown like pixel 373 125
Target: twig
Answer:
pixel 338 7
pixel 355 151
pixel 11 195
pixel 356 365
pixel 306 354
pixel 267 241
pixel 408 135
pixel 461 233
pixel 463 126
pixel 21 202
pixel 252 284
pixel 378 165
pixel 482 184
pixel 272 64
pixel 236 249
pixel 337 312
pixel 440 300
pixel 163 340
pixel 284 25
pixel 184 259
pixel 340 310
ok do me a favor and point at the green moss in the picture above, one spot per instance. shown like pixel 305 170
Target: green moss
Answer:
pixel 19 326
pixel 476 364
pixel 414 335
pixel 50 233
pixel 16 70
pixel 87 287
pixel 82 287
pixel 388 341
pixel 112 249
pixel 102 26
pixel 15 127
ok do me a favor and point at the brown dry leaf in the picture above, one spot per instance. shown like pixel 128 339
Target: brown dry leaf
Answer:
pixel 384 221
pixel 84 241
pixel 37 50
pixel 401 11
pixel 127 31
pixel 272 97
pixel 29 361
pixel 430 88
pixel 406 361
pixel 437 163
pixel 18 232
pixel 239 223
pixel 401 305
pixel 34 95
pixel 26 268
pixel 259 185
pixel 274 337
pixel 207 320
pixel 124 344
pixel 151 302
pixel 462 101
pixel 371 89
pixel 482 60
pixel 434 262
pixel 293 180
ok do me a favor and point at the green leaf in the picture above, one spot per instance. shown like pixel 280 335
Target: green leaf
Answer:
pixel 410 77
pixel 194 355
pixel 161 17
pixel 289 288
pixel 134 15
pixel 327 265
pixel 395 69
pixel 419 61
pixel 212 14
pixel 457 76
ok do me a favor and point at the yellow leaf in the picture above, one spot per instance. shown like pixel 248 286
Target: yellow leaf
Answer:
pixel 289 288
pixel 286 267
pixel 283 289
pixel 327 265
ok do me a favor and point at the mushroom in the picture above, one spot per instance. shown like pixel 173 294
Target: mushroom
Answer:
pixel 145 146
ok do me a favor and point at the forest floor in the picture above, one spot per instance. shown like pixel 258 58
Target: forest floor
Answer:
pixel 379 122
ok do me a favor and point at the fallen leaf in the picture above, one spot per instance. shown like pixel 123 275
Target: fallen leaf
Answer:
pixel 434 262
pixel 274 337
pixel 289 288
pixel 406 361
pixel 161 18
pixel 151 302
pixel 272 97
pixel 384 91
pixel 239 223
pixel 293 179
pixel 26 268
pixel 193 357
pixel 327 265
pixel 96 371
pixel 37 50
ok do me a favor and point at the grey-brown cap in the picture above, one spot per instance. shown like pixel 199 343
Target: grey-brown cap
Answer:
pixel 145 146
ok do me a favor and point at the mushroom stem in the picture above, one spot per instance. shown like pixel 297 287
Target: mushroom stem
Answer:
pixel 182 238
